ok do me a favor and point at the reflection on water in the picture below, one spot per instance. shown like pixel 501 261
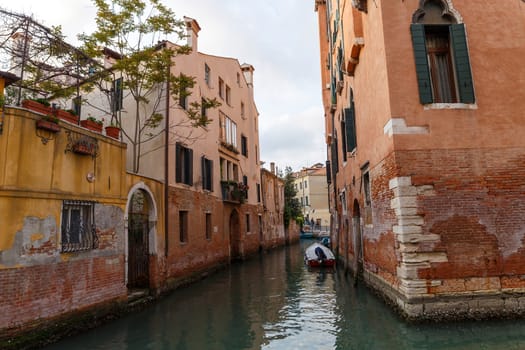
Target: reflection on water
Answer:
pixel 274 302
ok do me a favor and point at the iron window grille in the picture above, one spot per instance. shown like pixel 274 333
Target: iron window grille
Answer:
pixel 78 226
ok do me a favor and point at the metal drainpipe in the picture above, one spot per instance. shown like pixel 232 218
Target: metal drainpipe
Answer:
pixel 166 169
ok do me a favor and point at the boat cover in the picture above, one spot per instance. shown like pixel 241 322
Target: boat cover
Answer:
pixel 316 251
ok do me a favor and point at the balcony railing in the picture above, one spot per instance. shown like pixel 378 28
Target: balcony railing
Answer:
pixel 233 192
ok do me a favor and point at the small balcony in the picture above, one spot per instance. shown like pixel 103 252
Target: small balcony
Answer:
pixel 234 192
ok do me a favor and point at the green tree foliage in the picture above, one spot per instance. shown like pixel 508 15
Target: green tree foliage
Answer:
pixel 292 207
pixel 137 30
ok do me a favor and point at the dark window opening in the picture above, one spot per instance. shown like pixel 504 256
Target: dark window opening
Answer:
pixel 183 226
pixel 207 174
pixel 244 146
pixel 208 226
pixel 183 164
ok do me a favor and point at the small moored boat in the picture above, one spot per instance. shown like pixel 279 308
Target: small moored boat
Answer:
pixel 319 255
pixel 306 232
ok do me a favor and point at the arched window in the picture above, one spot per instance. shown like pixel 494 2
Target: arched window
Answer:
pixel 441 54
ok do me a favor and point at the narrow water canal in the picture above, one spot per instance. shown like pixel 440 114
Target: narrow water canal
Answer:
pixel 275 302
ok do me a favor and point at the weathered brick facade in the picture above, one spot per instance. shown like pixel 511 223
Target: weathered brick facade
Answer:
pixel 427 192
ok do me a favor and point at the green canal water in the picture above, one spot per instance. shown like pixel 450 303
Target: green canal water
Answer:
pixel 274 302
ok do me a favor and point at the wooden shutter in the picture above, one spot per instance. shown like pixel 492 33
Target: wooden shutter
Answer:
pixel 344 139
pixel 351 139
pixel 189 170
pixel 335 157
pixel 328 172
pixel 210 175
pixel 461 59
pixel 178 163
pixel 204 173
pixel 420 56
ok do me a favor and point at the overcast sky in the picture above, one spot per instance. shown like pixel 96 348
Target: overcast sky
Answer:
pixel 278 37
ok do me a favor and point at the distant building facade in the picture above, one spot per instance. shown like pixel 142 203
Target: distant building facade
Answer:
pixel 424 132
pixel 312 193
pixel 272 231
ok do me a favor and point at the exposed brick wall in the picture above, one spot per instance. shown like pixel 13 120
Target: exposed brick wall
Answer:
pixel 477 211
pixel 199 254
pixel 45 291
pixel 379 241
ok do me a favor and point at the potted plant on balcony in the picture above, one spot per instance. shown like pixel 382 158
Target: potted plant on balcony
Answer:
pixel 113 131
pixel 239 192
pixel 92 123
pixel 48 123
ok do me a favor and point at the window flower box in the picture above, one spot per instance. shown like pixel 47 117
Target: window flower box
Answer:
pixel 85 146
pixel 84 149
pixel 47 125
pixel 37 106
pixel 92 124
pixel 65 115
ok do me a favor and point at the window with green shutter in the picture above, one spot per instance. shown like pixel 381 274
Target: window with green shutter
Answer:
pixel 441 56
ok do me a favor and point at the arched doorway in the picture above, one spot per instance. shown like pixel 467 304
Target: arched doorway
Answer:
pixel 358 241
pixel 138 240
pixel 235 236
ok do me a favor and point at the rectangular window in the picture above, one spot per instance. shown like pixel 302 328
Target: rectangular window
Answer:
pixel 328 172
pixel 244 146
pixel 78 226
pixel 342 197
pixel 183 226
pixel 335 157
pixel 76 105
pixel 366 186
pixel 260 227
pixel 442 63
pixel 223 168
pixel 245 183
pixel 207 173
pixel 306 201
pixel 349 136
pixel 305 184
pixel 207 74
pixel 204 110
pixel 228 95
pixel 242 109
pixel 183 95
pixel 221 88
pixel 247 223
pixel 183 164
pixel 228 130
pixel 235 170
pixel 239 79
pixel 258 193
pixel 208 225
pixel 118 94
pixel 344 140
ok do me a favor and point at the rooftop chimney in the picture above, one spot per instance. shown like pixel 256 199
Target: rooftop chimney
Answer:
pixel 192 31
pixel 272 167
